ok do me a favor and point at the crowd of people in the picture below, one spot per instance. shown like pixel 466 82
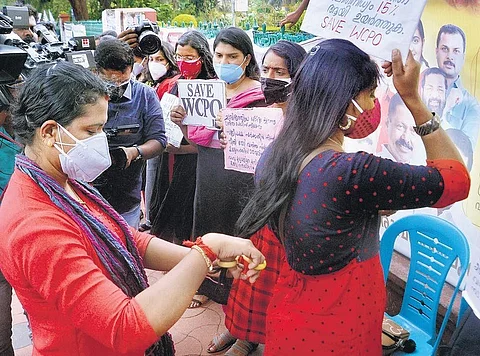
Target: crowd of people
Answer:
pixel 83 148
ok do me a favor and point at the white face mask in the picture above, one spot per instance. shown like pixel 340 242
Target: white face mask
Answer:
pixel 87 159
pixel 157 69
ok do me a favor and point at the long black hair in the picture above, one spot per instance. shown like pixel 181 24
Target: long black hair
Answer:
pixel 199 42
pixel 238 38
pixel 169 55
pixel 334 72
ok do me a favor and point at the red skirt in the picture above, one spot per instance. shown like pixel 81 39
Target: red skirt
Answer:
pixel 246 310
pixel 335 314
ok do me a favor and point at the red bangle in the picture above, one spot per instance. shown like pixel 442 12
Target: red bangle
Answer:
pixel 198 242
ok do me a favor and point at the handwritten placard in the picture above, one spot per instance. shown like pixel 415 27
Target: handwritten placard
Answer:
pixel 249 132
pixel 202 100
pixel 375 26
pixel 173 132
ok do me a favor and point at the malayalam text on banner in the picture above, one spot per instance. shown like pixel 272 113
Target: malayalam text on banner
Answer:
pixel 249 132
pixel 172 131
pixel 375 26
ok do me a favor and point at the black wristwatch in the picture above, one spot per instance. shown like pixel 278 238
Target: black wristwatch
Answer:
pixel 428 127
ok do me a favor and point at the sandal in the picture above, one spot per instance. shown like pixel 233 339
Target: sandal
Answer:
pixel 197 301
pixel 144 227
pixel 220 342
pixel 241 348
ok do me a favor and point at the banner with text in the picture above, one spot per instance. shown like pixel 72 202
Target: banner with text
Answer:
pixel 202 100
pixel 375 26
pixel 249 132
pixel 173 132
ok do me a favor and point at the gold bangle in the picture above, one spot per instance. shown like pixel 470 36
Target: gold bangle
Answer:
pixel 231 264
pixel 205 257
pixel 227 264
pixel 259 267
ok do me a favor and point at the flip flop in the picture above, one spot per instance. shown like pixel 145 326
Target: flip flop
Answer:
pixel 241 348
pixel 198 302
pixel 221 342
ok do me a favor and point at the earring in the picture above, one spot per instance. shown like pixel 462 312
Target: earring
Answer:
pixel 347 125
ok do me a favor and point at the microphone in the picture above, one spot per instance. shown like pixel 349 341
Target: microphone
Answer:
pixel 407 345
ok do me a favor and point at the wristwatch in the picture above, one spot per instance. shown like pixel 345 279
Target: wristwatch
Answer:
pixel 428 127
pixel 140 155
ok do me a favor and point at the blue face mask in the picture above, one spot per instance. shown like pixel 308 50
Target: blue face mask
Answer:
pixel 230 73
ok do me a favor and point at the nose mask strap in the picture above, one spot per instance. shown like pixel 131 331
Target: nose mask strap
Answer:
pixel 351 117
pixel 59 144
pixel 357 106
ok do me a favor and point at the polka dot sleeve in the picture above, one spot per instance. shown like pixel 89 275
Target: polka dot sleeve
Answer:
pixel 456 181
pixel 365 182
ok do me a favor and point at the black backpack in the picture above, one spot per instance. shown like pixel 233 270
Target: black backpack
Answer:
pixel 465 340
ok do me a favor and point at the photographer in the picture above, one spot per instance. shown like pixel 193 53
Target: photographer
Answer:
pixel 135 129
pixel 28 34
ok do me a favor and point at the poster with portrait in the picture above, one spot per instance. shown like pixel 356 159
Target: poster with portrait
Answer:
pixel 446 44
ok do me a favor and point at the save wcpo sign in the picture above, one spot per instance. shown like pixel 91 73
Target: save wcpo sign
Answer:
pixel 374 26
pixel 202 100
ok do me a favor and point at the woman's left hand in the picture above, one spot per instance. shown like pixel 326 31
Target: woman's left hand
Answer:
pixel 219 120
pixel 223 140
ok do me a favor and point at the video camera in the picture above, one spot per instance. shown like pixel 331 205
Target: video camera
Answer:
pixel 18 58
pixel 148 40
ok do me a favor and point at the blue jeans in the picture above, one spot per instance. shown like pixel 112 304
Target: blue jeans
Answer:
pixel 133 216
pixel 6 348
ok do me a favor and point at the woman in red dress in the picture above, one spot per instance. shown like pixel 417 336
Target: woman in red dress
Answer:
pixel 325 203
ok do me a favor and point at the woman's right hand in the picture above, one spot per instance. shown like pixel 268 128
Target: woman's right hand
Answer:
pixel 227 248
pixel 129 36
pixel 177 114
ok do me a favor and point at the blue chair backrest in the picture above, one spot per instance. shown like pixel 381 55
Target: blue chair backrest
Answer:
pixel 435 245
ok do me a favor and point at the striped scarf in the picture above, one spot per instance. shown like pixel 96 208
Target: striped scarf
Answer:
pixel 122 262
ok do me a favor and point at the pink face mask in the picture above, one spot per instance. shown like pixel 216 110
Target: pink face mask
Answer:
pixel 366 123
pixel 190 69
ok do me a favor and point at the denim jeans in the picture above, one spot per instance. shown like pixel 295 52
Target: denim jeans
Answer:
pixel 133 216
pixel 6 348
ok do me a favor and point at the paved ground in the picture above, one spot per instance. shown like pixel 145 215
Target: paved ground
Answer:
pixel 192 333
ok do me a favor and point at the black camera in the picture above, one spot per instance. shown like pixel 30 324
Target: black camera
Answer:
pixel 121 130
pixel 148 40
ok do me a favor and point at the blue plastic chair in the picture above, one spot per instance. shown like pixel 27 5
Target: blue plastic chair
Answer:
pixel 435 244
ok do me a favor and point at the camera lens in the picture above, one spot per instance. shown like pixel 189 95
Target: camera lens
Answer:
pixel 149 42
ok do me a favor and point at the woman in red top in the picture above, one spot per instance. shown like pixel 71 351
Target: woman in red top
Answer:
pixel 325 203
pixel 76 266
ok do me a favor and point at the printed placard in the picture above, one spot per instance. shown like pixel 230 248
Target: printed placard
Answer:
pixel 202 100
pixel 249 132
pixel 375 26
pixel 173 132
